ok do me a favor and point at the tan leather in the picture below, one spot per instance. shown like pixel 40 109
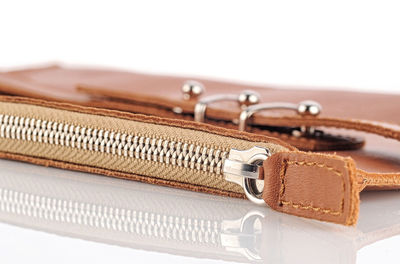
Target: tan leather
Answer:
pixel 317 186
pixel 140 93
pixel 313 185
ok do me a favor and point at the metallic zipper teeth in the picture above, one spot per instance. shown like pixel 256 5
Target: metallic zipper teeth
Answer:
pixel 135 146
pixel 141 223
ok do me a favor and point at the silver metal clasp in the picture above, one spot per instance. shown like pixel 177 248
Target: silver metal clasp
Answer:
pixel 243 167
pixel 244 99
pixel 304 108
pixel 249 102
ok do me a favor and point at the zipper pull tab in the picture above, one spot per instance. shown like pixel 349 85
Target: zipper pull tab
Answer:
pixel 243 167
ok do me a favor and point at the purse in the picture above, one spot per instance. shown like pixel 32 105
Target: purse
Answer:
pixel 273 146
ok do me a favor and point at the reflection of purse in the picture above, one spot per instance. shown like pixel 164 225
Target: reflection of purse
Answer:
pixel 61 117
pixel 143 216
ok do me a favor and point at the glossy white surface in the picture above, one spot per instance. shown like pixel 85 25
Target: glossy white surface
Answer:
pixel 344 43
pixel 51 215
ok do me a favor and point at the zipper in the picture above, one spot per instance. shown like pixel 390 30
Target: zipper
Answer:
pixel 179 154
pixel 144 151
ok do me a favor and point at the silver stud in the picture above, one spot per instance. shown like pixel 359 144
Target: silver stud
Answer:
pixel 192 89
pixel 248 97
pixel 311 108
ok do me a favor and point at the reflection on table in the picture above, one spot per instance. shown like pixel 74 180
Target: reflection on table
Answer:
pixel 161 219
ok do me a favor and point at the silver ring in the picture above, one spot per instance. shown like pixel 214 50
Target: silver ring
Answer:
pixel 251 190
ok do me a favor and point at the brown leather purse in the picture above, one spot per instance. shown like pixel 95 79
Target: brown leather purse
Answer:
pixel 273 146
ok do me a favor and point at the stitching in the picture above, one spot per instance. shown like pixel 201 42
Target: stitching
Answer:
pixel 282 177
pixel 382 181
pixel 376 179
pixel 294 205
pixel 309 207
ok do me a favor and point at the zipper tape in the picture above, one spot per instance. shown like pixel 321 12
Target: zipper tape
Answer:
pixel 161 151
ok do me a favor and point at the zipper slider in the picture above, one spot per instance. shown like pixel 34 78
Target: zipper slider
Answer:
pixel 243 168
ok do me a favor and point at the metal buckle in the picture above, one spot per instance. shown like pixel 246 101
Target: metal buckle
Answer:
pixel 244 99
pixel 304 108
pixel 242 167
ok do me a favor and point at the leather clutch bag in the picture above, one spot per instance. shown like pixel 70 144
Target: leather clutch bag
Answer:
pixel 303 152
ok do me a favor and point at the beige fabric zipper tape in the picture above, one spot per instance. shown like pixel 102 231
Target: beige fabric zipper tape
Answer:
pixel 158 151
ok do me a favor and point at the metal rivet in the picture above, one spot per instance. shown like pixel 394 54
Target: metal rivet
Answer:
pixel 248 97
pixel 192 89
pixel 309 108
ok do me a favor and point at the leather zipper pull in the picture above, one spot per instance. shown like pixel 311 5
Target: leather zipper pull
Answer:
pixel 317 186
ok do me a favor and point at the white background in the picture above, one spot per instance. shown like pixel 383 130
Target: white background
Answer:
pixel 345 44
pixel 342 44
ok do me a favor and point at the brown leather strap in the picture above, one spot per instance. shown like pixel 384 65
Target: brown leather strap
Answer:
pixel 378 181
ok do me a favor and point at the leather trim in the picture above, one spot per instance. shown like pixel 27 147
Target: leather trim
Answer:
pixel 378 181
pixel 317 186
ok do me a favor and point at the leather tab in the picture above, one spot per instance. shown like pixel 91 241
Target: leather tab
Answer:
pixel 312 185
